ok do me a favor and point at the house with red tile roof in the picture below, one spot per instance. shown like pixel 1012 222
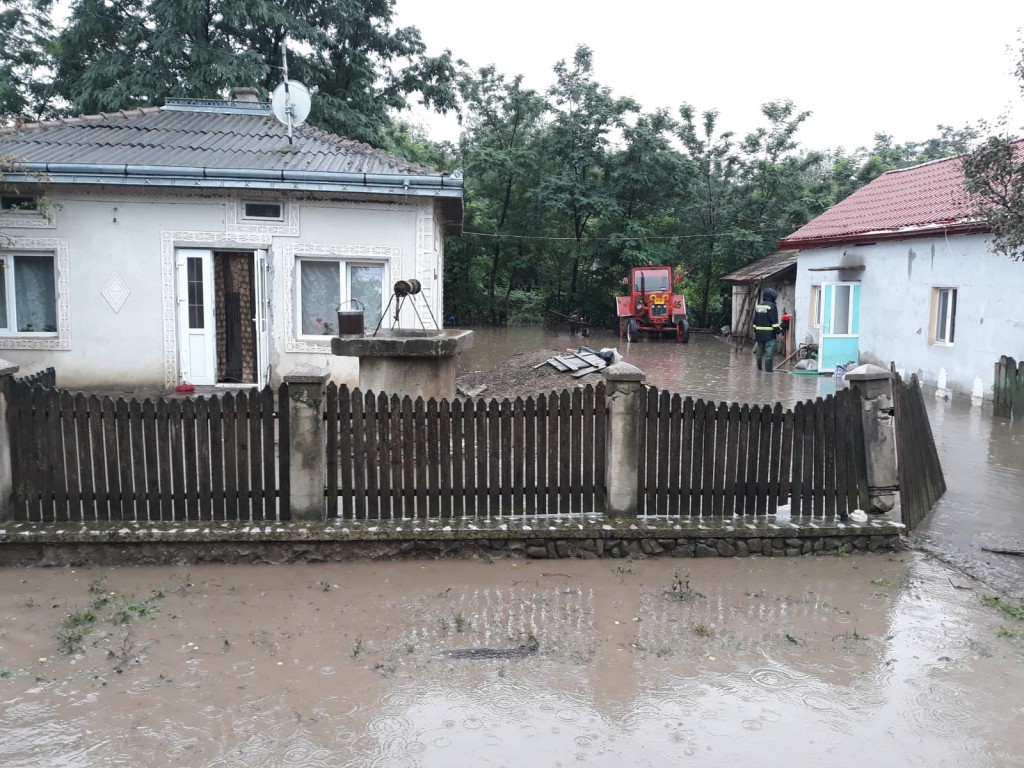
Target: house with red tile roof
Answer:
pixel 901 272
pixel 205 241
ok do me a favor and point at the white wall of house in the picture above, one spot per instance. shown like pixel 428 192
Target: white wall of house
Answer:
pixel 898 288
pixel 117 294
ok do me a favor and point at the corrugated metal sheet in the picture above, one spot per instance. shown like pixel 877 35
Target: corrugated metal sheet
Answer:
pixel 197 139
pixel 762 269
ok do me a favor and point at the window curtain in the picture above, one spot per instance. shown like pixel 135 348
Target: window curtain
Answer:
pixel 320 291
pixel 35 294
pixel 366 285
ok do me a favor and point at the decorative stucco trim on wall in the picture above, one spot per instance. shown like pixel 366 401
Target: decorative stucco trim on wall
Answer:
pixel 168 242
pixel 116 292
pixel 21 220
pixel 292 250
pixel 59 247
pixel 235 222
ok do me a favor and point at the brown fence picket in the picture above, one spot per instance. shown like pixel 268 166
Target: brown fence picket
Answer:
pixel 589 418
pixel 517 454
pixel 732 456
pixel 553 459
pixel 533 434
pixel 663 422
pixel 445 457
pixel 72 507
pixel 796 485
pixel 190 509
pixel 83 439
pixel 253 421
pixel 829 457
pixel 540 425
pixel 204 474
pixel 507 460
pixel 493 458
pixel 433 427
pixel 721 434
pixel 228 419
pixel 686 458
pixel 218 504
pixel 357 456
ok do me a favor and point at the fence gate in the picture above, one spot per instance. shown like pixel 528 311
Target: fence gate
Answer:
pixel 389 457
pixel 920 472
pixel 703 459
pixel 90 458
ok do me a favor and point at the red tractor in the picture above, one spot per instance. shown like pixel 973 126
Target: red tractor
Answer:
pixel 651 306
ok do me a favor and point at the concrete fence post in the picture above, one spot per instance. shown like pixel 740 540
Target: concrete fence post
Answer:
pixel 7 371
pixel 308 456
pixel 875 386
pixel 625 396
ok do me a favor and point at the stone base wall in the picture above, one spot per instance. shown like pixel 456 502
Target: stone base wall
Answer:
pixel 279 552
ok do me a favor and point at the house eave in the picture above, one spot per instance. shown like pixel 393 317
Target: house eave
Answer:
pixel 253 178
pixel 447 189
pixel 861 238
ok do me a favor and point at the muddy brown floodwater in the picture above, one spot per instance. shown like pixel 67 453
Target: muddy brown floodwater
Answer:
pixel 877 660
pixel 867 660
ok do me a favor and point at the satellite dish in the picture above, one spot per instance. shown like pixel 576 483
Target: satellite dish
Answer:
pixel 290 103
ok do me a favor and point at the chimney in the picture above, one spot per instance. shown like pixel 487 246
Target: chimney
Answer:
pixel 247 94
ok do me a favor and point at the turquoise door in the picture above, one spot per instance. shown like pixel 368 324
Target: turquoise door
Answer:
pixel 840 326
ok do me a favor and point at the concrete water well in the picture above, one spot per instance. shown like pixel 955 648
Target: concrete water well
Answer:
pixel 418 363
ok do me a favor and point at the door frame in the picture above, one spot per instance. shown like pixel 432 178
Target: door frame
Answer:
pixel 260 320
pixel 838 348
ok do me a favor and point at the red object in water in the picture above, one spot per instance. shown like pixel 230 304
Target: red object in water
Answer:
pixel 185 387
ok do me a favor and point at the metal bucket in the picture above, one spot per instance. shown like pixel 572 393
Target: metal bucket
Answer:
pixel 350 321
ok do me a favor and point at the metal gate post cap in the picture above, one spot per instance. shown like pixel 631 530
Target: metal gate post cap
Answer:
pixel 623 372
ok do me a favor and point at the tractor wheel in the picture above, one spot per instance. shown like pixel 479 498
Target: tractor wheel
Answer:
pixel 632 330
pixel 682 332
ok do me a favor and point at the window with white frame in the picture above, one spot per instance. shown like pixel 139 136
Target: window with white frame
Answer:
pixel 28 294
pixel 325 285
pixel 943 325
pixel 817 306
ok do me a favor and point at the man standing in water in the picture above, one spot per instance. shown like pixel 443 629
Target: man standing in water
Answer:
pixel 766 328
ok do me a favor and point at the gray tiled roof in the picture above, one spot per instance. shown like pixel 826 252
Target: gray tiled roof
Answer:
pixel 248 138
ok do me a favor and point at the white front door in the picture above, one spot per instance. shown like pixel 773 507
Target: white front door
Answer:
pixel 197 328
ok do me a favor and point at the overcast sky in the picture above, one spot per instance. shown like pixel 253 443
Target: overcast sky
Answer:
pixel 900 67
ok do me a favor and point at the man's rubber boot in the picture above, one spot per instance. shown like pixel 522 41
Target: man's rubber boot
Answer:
pixel 768 364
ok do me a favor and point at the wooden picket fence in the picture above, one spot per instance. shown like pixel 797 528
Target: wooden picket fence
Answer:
pixel 78 457
pixel 703 459
pixel 393 458
pixel 920 471
pixel 1008 388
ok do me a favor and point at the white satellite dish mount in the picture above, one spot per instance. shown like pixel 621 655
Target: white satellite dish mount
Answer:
pixel 291 100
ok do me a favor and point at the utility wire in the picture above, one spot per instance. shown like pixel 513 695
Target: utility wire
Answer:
pixel 610 237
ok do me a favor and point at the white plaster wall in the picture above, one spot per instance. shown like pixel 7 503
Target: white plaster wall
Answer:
pixel 895 306
pixel 112 230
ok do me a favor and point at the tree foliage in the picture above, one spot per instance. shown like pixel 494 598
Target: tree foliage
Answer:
pixel 994 175
pixel 25 61
pixel 136 53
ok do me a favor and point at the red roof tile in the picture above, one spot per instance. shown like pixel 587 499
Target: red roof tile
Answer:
pixel 909 201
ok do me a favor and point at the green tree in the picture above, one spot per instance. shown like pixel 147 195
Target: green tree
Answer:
pixel 25 59
pixel 140 52
pixel 499 149
pixel 576 188
pixel 994 175
pixel 708 202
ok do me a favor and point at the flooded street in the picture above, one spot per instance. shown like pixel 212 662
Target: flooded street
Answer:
pixel 883 660
pixel 795 662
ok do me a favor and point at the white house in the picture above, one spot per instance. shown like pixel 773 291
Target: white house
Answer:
pixel 196 242
pixel 901 272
